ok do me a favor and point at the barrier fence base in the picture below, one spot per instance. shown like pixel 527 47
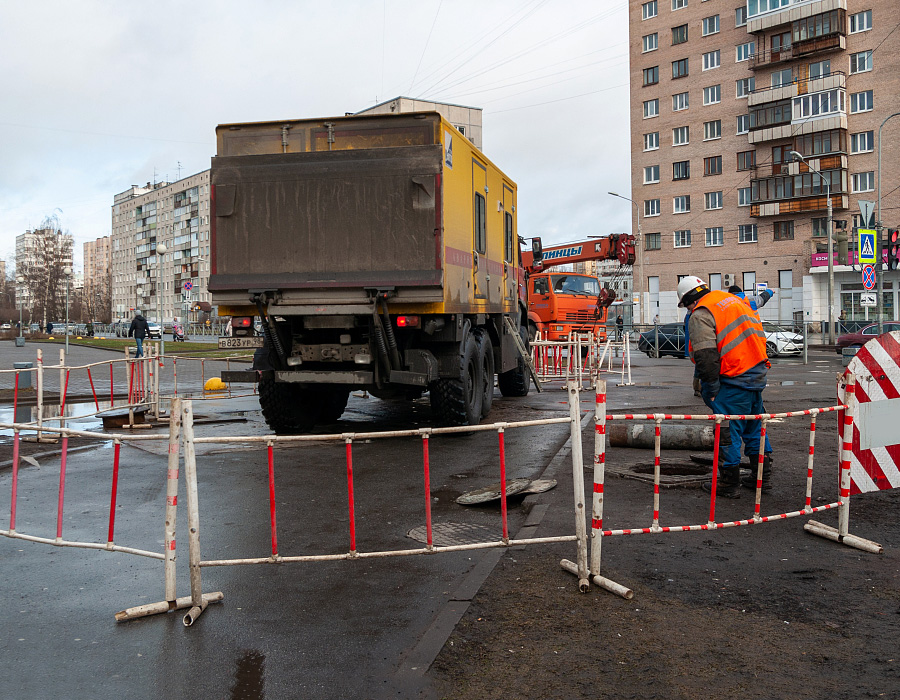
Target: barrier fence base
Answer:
pixel 165 606
pixel 51 441
pixel 598 580
pixel 830 533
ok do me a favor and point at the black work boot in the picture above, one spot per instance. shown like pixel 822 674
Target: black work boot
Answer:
pixel 729 483
pixel 749 481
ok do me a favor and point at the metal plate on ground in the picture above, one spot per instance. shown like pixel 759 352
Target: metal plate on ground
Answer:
pixel 492 492
pixel 451 534
pixel 539 486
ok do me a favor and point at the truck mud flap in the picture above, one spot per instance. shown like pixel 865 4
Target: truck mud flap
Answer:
pixel 355 378
pixel 249 376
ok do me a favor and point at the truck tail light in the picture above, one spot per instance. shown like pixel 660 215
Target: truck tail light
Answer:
pixel 241 325
pixel 407 321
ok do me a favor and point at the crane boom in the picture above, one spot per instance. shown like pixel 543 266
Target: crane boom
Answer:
pixel 616 246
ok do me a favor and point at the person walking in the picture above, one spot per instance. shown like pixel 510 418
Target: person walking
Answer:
pixel 728 346
pixel 620 327
pixel 140 330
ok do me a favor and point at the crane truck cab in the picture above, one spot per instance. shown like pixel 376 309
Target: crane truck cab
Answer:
pixel 560 303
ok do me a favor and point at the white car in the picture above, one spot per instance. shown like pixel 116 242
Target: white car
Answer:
pixel 6 327
pixel 781 342
pixel 154 330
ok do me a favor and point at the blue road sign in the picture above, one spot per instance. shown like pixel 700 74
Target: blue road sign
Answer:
pixel 868 277
pixel 866 246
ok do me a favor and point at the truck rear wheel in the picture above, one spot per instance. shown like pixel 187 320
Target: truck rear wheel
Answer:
pixel 459 401
pixel 286 407
pixel 516 381
pixel 486 362
pixel 333 403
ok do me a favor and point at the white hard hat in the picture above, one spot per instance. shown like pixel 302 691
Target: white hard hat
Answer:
pixel 690 289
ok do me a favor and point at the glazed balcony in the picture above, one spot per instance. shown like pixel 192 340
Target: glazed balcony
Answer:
pixel 791 11
pixel 820 45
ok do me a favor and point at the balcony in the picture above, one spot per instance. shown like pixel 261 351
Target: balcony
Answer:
pixel 793 11
pixel 801 49
pixel 800 205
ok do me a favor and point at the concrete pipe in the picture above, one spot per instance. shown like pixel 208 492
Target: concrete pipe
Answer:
pixel 672 436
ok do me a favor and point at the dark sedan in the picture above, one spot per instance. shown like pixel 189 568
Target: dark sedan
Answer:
pixel 669 339
pixel 863 336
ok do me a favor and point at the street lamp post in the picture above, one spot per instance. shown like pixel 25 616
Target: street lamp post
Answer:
pixel 830 249
pixel 20 280
pixel 67 271
pixel 878 273
pixel 160 251
pixel 639 250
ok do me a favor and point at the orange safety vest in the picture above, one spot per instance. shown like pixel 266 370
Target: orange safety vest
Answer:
pixel 740 338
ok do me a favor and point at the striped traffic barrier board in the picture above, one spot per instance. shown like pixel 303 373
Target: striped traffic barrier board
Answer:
pixel 875 458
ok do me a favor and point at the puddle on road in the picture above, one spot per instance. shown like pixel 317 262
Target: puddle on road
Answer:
pixel 77 413
pixel 249 683
pixel 795 383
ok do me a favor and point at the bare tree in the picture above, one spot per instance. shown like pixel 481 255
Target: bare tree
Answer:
pixel 48 253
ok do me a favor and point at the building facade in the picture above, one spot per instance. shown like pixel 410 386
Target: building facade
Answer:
pixel 41 257
pixel 177 215
pixel 722 93
pixel 97 283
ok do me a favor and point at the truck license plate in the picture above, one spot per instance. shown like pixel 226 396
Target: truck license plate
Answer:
pixel 229 343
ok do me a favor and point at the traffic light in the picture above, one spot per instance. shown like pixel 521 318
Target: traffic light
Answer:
pixel 893 236
pixel 841 238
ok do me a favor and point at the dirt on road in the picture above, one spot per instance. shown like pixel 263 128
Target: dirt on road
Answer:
pixel 765 611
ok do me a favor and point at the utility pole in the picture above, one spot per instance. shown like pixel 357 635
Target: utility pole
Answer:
pixel 879 275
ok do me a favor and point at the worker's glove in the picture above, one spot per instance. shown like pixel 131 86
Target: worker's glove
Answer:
pixel 709 391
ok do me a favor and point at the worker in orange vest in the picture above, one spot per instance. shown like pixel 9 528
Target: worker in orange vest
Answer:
pixel 728 345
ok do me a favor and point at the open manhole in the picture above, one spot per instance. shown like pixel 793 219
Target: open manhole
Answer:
pixel 451 534
pixel 671 473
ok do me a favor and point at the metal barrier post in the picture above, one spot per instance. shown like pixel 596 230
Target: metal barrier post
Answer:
pixel 40 392
pixel 172 499
pixel 581 568
pixel 62 381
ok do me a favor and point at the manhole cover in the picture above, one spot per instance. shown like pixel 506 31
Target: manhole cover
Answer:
pixel 670 473
pixel 450 534
pixel 492 492
pixel 539 486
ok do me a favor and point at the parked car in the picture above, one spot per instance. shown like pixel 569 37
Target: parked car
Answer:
pixel 6 327
pixel 155 330
pixel 671 340
pixel 863 336
pixel 780 341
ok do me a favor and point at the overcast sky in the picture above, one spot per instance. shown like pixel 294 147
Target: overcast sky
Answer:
pixel 98 96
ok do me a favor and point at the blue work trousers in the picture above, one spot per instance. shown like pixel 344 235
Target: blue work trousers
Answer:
pixel 735 400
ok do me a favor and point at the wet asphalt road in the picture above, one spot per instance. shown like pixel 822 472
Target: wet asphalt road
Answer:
pixel 324 630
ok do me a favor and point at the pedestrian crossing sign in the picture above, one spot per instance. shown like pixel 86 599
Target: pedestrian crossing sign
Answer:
pixel 866 246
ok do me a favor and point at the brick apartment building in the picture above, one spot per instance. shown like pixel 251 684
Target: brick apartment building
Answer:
pixel 721 93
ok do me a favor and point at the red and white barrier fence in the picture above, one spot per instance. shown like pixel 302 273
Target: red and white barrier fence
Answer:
pixel 171 468
pixel 581 358
pixel 841 534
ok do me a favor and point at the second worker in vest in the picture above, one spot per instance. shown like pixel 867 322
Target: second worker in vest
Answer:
pixel 728 345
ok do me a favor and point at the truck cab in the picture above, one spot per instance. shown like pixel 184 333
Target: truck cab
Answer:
pixel 560 303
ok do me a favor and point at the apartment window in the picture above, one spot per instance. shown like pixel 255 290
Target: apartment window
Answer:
pixel 712 94
pixel 651 76
pixel 820 227
pixel 649 9
pixel 651 141
pixel 713 59
pixel 743 196
pixel 650 42
pixel 818 104
pixel 745 86
pixel 679 34
pixel 746 160
pixel 679 68
pixel 740 16
pixel 712 165
pixel 679 4
pixel 681 204
pixel 710 25
pixel 784 230
pixel 863 142
pixel 715 236
pixel 680 136
pixel 862 182
pixel 712 130
pixel 683 239
pixel 862 101
pixel 652 241
pixel 651 108
pixel 861 22
pixel 651 207
pixel 818 25
pixel 782 77
pixel 860 62
pixel 747 233
pixel 651 174
pixel 743 123
pixel 745 51
pixel 819 69
pixel 713 200
pixel 679 101
pixel 681 170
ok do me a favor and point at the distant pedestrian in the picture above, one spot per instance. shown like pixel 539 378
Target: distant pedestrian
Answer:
pixel 656 320
pixel 49 328
pixel 140 329
pixel 620 327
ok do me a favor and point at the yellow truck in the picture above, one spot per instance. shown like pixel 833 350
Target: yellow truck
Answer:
pixel 375 252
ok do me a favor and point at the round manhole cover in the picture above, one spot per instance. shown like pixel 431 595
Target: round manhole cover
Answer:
pixel 492 492
pixel 451 534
